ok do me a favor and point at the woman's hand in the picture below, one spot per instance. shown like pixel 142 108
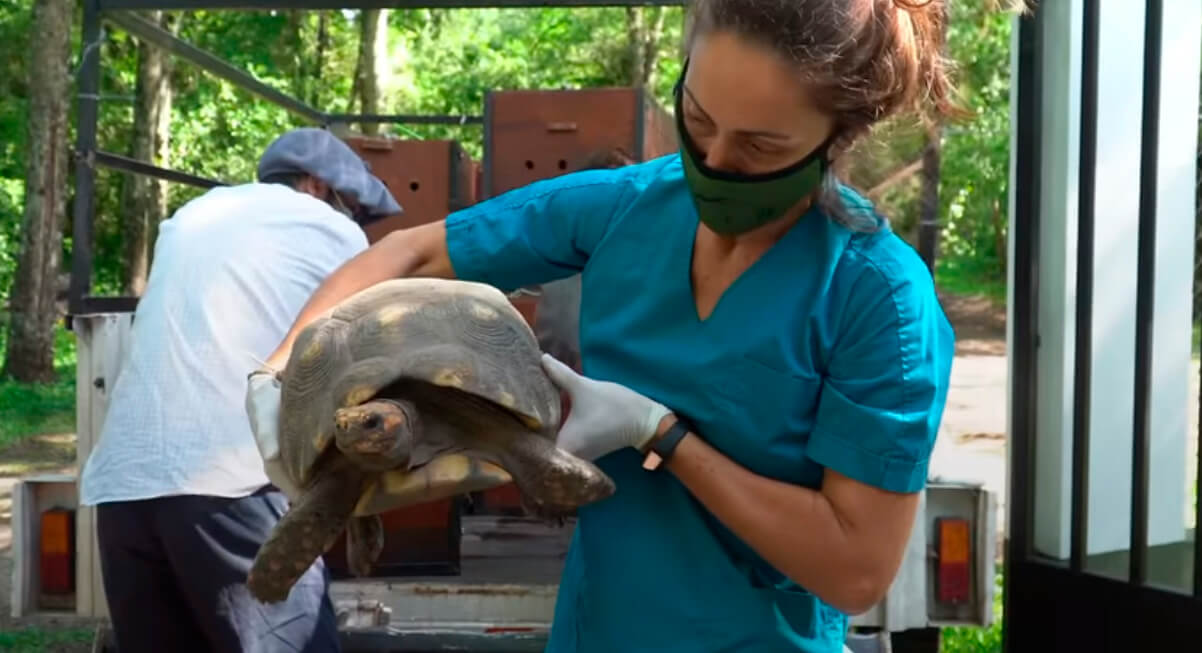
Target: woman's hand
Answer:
pixel 605 416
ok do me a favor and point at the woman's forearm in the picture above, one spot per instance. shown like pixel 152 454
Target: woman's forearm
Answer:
pixel 419 251
pixel 846 555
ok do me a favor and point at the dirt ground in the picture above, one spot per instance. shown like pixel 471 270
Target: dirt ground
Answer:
pixel 971 443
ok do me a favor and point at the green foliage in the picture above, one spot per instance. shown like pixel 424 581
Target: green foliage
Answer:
pixel 14 38
pixel 27 409
pixel 441 62
pixel 974 175
pixel 448 65
pixel 446 61
pixel 965 639
pixel 12 198
pixel 32 639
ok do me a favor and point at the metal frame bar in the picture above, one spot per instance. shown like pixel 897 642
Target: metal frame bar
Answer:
pixel 87 156
pixel 1050 604
pixel 1198 504
pixel 161 38
pixel 137 166
pixel 85 174
pixel 410 119
pixel 1024 335
pixel 1083 363
pixel 1145 285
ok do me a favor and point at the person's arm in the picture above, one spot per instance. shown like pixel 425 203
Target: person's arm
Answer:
pixel 876 423
pixel 542 231
pixel 843 543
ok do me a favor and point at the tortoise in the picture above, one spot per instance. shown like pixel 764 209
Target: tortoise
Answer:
pixel 412 390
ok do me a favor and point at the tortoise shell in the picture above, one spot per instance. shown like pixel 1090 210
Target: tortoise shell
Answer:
pixel 449 333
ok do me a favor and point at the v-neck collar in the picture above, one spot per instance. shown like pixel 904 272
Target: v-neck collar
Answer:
pixel 735 298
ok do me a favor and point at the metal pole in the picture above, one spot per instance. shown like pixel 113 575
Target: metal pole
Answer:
pixel 85 146
pixel 161 38
pixel 1025 379
pixel 410 119
pixel 120 162
pixel 1083 363
pixel 1145 287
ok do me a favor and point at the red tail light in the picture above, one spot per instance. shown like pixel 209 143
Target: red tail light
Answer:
pixel 56 561
pixel 955 560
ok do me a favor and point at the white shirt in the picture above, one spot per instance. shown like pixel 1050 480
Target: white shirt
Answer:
pixel 231 271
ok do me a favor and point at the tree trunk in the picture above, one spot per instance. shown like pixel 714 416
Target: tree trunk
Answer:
pixel 651 44
pixel 928 223
pixel 319 60
pixel 373 53
pixel 643 38
pixel 145 201
pixel 292 43
pixel 635 40
pixel 30 351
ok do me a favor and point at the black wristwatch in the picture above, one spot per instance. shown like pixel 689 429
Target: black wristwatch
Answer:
pixel 662 447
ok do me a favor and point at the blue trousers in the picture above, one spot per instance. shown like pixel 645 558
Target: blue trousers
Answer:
pixel 175 578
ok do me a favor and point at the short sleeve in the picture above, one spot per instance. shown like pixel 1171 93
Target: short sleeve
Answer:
pixel 887 377
pixel 540 232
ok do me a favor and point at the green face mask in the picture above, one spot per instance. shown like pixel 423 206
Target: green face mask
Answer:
pixel 731 203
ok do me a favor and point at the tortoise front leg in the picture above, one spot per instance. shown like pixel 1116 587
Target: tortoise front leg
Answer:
pixel 307 530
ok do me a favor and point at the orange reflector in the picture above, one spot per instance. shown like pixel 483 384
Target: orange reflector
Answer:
pixel 953 540
pixel 955 559
pixel 57 546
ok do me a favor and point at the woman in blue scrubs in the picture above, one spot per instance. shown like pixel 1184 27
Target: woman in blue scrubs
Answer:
pixel 765 363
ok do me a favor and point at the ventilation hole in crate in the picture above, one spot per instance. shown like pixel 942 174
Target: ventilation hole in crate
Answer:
pixel 529 164
pixel 413 186
pixel 563 165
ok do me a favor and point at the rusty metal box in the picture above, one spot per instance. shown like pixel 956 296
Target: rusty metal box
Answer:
pixel 536 134
pixel 428 178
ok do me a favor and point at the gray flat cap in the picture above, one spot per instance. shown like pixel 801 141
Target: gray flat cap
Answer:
pixel 319 153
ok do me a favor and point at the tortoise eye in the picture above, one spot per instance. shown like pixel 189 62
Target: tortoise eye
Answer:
pixel 372 421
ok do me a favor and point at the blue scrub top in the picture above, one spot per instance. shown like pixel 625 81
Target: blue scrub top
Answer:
pixel 830 351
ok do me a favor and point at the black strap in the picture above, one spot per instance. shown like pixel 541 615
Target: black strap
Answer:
pixel 664 446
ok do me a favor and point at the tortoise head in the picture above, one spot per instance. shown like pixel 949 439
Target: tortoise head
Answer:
pixel 376 435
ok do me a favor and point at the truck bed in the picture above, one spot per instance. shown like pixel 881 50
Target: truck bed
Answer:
pixel 502 599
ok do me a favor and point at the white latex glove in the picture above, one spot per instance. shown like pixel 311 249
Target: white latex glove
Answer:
pixel 263 409
pixel 605 416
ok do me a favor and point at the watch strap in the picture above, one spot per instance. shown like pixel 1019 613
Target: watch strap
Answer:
pixel 662 447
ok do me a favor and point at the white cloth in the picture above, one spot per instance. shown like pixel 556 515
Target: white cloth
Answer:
pixel 231 270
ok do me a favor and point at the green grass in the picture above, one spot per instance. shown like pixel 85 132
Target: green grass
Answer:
pixel 968 639
pixel 33 639
pixel 959 278
pixel 31 409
